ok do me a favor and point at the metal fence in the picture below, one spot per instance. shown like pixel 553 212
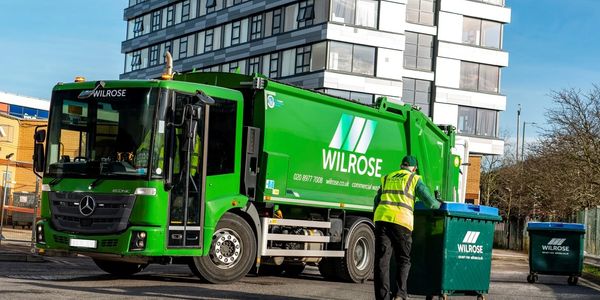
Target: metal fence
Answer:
pixel 18 215
pixel 590 217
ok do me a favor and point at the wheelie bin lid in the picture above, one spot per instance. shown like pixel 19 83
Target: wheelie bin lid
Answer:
pixel 464 210
pixel 556 226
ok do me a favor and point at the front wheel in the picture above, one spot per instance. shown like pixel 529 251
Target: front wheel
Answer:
pixel 358 262
pixel 119 268
pixel 232 252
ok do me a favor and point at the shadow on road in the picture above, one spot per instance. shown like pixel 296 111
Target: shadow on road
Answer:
pixel 167 292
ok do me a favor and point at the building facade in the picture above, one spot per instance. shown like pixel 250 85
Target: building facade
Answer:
pixel 444 56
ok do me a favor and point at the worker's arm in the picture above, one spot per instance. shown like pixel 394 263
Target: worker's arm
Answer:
pixel 422 192
pixel 377 199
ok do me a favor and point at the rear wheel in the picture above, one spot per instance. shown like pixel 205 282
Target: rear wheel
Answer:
pixel 119 268
pixel 232 252
pixel 357 264
pixel 327 268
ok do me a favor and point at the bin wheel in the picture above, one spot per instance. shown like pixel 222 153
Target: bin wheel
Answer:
pixel 572 280
pixel 480 297
pixel 532 278
pixel 443 297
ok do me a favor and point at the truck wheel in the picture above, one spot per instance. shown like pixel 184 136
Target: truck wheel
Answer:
pixel 327 268
pixel 358 263
pixel 232 252
pixel 119 268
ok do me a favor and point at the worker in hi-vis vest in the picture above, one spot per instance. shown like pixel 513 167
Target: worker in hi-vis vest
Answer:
pixel 393 218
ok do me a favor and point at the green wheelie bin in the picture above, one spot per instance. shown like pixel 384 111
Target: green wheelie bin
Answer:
pixel 452 250
pixel 555 249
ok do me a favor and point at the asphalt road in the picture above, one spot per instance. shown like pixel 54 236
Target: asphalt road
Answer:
pixel 78 278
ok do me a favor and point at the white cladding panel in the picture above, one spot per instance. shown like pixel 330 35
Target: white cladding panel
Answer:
pixel 388 16
pixel 447 72
pixel 389 63
pixel 376 86
pixel 473 54
pixel 467 98
pixel 363 36
pixel 451 26
pixel 422 75
pixel 484 146
pixel 446 114
pixel 477 9
pixel 24 101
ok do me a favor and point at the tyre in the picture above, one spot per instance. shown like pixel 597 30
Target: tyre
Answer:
pixel 358 262
pixel 480 297
pixel 327 268
pixel 232 252
pixel 293 270
pixel 572 280
pixel 119 268
pixel 530 278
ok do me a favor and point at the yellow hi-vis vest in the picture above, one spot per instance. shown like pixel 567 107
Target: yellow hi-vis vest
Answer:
pixel 142 153
pixel 397 198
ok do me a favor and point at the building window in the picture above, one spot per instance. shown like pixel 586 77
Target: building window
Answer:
pixel 356 12
pixel 185 10
pixel 154 53
pixel 420 12
pixel 351 58
pixel 156 20
pixel 233 67
pixel 479 77
pixel 482 33
pixel 274 66
pixel 254 65
pixel 208 40
pixel 418 93
pixel 170 15
pixel 303 59
pixel 211 3
pixel 169 47
pixel 477 121
pixel 256 27
pixel 363 98
pixel 418 53
pixel 306 13
pixel 235 32
pixel 136 60
pixel 277 20
pixel 138 27
pixel 183 47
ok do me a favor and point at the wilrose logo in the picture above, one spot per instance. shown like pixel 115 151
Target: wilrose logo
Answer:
pixel 468 242
pixel 556 245
pixel 354 135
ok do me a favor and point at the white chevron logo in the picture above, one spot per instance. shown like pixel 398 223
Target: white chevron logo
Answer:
pixel 471 237
pixel 556 242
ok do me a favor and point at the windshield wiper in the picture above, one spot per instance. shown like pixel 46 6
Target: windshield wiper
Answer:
pixel 94 183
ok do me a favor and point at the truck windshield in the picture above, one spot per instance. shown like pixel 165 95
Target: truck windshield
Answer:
pixel 107 134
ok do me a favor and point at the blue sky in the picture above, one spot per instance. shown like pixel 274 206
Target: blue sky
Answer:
pixel 553 44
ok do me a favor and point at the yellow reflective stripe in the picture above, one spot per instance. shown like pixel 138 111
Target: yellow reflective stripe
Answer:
pixel 404 205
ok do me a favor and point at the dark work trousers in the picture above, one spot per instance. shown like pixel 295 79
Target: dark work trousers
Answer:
pixel 391 239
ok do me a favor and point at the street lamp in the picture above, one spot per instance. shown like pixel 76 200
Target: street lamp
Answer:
pixel 523 141
pixel 8 157
pixel 518 122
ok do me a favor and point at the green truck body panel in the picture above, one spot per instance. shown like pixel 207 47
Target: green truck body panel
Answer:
pixel 316 151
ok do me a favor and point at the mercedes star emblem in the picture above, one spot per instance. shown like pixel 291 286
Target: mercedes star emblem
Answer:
pixel 87 205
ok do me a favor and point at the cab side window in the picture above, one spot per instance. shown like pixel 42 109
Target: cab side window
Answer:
pixel 221 137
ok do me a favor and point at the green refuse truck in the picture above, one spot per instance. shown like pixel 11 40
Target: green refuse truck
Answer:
pixel 227 173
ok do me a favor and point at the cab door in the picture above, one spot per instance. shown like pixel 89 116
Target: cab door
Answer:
pixel 186 137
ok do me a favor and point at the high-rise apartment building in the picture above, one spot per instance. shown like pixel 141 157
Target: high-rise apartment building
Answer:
pixel 444 56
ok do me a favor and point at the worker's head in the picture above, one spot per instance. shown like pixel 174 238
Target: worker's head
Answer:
pixel 409 162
